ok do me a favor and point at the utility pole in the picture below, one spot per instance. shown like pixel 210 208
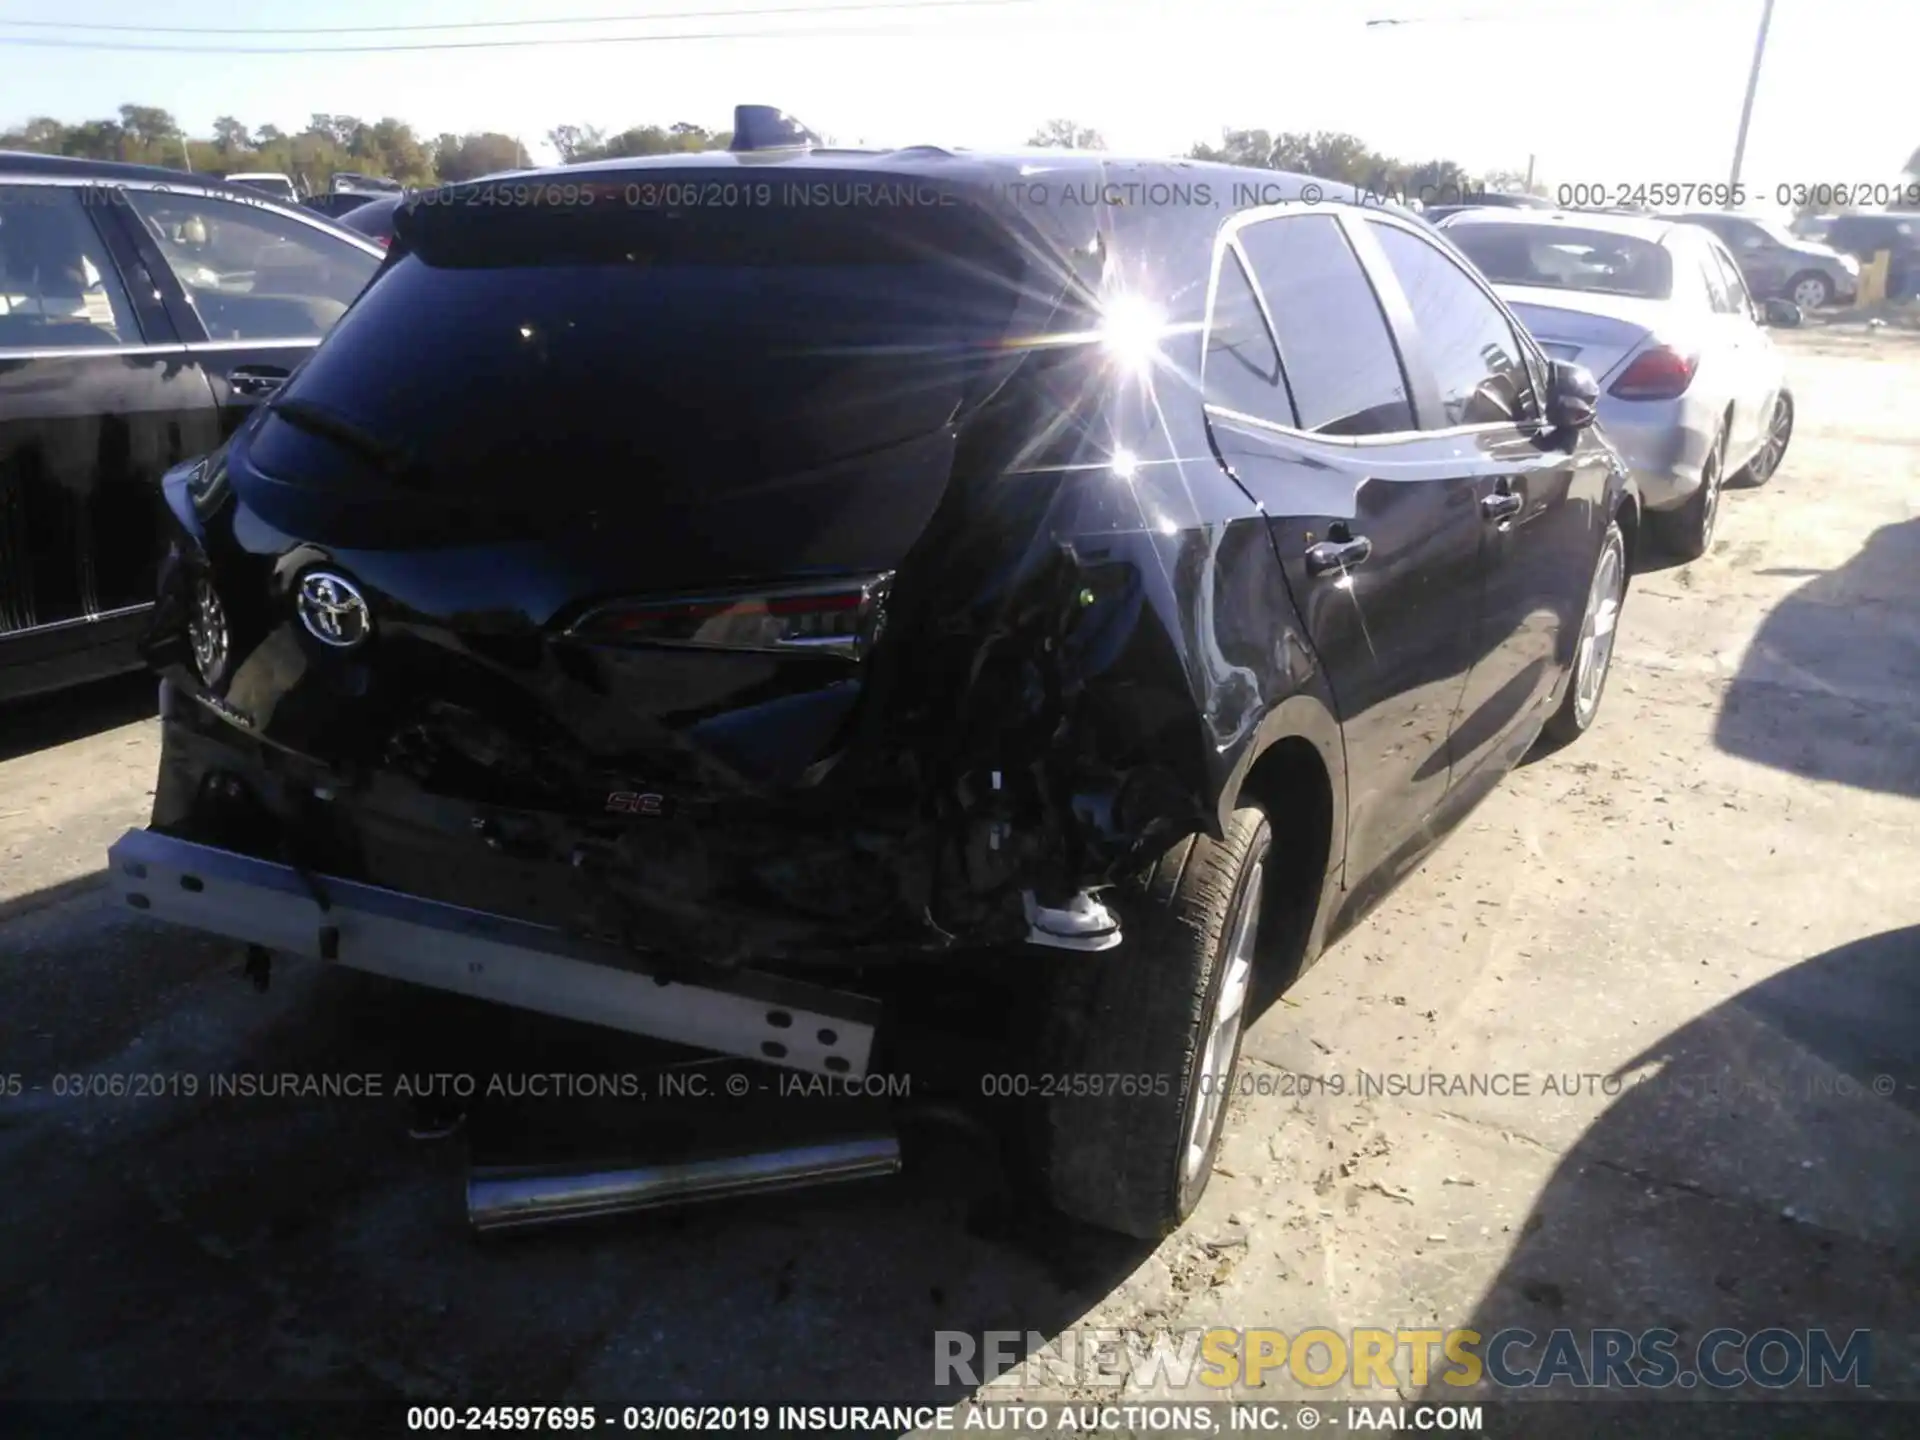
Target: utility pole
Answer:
pixel 1529 174
pixel 1753 84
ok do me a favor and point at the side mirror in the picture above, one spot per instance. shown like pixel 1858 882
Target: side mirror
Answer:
pixel 1783 313
pixel 1573 397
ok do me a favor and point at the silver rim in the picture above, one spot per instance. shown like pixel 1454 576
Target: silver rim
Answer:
pixel 1710 506
pixel 1810 294
pixel 1229 1011
pixel 207 632
pixel 1779 429
pixel 1596 634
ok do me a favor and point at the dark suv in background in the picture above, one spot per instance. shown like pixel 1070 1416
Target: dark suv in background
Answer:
pixel 1775 262
pixel 1864 235
pixel 700 599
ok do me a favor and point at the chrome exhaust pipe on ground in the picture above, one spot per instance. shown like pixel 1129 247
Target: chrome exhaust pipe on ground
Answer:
pixel 522 1197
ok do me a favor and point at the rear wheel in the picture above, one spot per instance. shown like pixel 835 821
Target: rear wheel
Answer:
pixel 1773 448
pixel 1140 1043
pixel 1593 654
pixel 1688 531
pixel 1810 290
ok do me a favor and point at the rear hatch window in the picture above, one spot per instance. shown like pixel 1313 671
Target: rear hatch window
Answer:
pixel 1557 257
pixel 613 347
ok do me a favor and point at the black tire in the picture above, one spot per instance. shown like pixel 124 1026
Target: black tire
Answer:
pixel 1578 709
pixel 1119 1160
pixel 1773 450
pixel 1819 290
pixel 1688 531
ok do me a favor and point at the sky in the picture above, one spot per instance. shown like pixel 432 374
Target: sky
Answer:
pixel 1620 93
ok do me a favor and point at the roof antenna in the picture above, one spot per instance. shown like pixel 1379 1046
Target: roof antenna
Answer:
pixel 762 127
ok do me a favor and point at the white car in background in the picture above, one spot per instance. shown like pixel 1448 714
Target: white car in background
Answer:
pixel 267 182
pixel 1692 388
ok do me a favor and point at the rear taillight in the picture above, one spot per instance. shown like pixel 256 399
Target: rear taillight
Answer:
pixel 837 617
pixel 383 241
pixel 1661 373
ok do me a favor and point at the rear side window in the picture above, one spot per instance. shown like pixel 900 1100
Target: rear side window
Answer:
pixel 1242 367
pixel 1476 359
pixel 1719 296
pixel 1739 302
pixel 1339 356
pixel 1559 257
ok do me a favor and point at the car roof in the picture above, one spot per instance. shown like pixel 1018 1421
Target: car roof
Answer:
pixel 1640 227
pixel 29 164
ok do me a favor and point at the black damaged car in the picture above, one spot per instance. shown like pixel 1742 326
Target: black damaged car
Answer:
pixel 683 592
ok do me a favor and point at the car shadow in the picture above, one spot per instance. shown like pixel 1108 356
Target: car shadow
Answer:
pixel 1830 686
pixel 304 1247
pixel 1758 1170
pixel 44 721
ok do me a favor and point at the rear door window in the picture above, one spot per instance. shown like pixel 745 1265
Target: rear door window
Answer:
pixel 251 272
pixel 58 284
pixel 1335 346
pixel 1477 361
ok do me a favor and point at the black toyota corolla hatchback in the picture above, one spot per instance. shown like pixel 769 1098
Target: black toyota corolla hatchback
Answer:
pixel 682 592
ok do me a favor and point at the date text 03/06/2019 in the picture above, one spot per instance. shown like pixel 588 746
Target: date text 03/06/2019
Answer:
pixel 1013 1419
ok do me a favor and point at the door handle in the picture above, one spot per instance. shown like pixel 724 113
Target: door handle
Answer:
pixel 256 380
pixel 1501 505
pixel 1341 555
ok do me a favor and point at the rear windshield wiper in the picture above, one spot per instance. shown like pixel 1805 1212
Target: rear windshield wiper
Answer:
pixel 391 460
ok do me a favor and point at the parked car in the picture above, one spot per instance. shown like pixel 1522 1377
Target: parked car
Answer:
pixel 1694 387
pixel 375 219
pixel 354 183
pixel 335 203
pixel 143 313
pixel 1864 234
pixel 1492 199
pixel 1130 594
pixel 1812 227
pixel 1775 261
pixel 267 182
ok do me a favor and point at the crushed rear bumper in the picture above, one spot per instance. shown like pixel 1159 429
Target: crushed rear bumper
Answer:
pixel 488 957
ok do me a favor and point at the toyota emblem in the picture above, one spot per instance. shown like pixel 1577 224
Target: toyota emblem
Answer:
pixel 333 609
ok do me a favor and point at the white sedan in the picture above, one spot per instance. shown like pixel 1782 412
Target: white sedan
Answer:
pixel 1692 388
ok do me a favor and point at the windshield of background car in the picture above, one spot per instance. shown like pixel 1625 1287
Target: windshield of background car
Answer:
pixel 1556 257
pixel 608 345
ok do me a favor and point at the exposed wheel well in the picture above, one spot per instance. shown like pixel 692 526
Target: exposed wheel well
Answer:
pixel 1289 783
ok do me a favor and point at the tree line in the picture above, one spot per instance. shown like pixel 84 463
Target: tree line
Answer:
pixel 389 147
pixel 1324 154
pixel 148 135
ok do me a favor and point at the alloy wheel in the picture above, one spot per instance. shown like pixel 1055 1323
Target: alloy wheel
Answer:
pixel 207 632
pixel 1779 431
pixel 1710 499
pixel 1595 653
pixel 1810 293
pixel 1215 1073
